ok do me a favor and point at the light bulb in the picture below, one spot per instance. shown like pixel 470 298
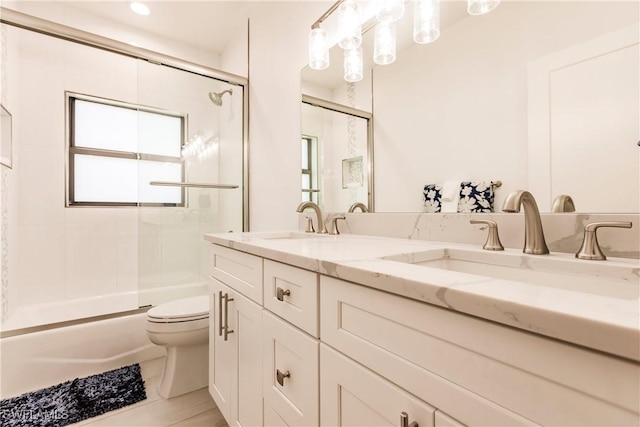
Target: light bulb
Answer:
pixel 353 64
pixel 390 10
pixel 318 49
pixel 480 7
pixel 384 44
pixel 349 25
pixel 140 8
pixel 426 21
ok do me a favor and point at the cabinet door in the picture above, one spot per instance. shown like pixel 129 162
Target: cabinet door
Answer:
pixel 235 363
pixel 352 395
pixel 290 374
pixel 221 357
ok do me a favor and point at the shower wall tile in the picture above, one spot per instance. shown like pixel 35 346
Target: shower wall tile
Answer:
pixel 90 71
pixel 127 248
pixel 41 186
pixel 91 258
pixel 40 263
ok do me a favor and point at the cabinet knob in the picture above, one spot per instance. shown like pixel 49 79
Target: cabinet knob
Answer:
pixel 404 421
pixel 281 293
pixel 280 376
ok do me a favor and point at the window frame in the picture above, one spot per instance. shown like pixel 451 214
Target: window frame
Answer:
pixel 313 193
pixel 72 150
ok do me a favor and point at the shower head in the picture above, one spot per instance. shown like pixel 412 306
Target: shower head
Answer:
pixel 216 98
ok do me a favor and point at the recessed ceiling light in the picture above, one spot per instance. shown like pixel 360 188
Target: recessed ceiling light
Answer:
pixel 140 8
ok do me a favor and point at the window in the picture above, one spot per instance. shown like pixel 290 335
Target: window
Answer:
pixel 309 161
pixel 116 149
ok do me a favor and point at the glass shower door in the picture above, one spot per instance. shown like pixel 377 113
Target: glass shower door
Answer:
pixel 196 188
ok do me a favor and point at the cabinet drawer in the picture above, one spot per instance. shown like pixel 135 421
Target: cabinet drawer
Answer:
pixel 293 354
pixel 473 369
pixel 238 270
pixel 352 395
pixel 292 293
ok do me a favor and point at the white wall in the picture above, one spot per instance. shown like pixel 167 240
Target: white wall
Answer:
pixel 456 109
pixel 278 51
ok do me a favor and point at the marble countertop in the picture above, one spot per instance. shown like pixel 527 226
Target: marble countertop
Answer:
pixel 596 304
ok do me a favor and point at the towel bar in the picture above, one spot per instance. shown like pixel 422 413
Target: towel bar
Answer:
pixel 192 184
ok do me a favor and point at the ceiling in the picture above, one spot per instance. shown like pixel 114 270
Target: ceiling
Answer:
pixel 208 25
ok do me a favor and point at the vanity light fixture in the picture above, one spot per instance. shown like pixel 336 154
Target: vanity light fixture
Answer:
pixel 480 7
pixel 426 29
pixel 140 8
pixel 426 21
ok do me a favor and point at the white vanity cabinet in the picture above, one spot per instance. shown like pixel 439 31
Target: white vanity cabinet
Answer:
pixel 478 372
pixel 307 349
pixel 235 331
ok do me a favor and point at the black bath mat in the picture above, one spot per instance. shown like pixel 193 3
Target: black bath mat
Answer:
pixel 76 400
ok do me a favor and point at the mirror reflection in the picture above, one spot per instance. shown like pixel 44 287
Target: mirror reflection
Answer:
pixel 542 96
pixel 335 155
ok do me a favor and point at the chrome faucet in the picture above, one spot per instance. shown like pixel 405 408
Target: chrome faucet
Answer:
pixel 304 205
pixel 357 205
pixel 534 242
pixel 563 203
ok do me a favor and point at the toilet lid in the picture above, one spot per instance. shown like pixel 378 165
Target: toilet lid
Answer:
pixel 181 310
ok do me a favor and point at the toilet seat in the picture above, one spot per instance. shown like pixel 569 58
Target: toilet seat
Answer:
pixel 180 311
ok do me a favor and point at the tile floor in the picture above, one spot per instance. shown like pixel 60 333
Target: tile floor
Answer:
pixel 192 409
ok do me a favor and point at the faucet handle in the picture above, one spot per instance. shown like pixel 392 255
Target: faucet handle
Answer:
pixel 590 248
pixel 335 225
pixel 493 239
pixel 310 228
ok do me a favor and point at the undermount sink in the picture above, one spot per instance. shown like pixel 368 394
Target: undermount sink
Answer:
pixel 287 235
pixel 617 279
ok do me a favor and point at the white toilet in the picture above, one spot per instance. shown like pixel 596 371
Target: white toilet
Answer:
pixel 182 326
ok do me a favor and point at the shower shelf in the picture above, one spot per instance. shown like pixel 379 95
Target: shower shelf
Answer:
pixel 192 184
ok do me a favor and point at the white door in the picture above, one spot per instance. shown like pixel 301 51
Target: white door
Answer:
pixel 584 124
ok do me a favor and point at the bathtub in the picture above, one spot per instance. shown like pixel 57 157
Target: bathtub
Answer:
pixel 65 340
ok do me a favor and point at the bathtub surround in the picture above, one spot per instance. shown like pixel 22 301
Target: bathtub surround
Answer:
pixel 75 400
pixel 90 253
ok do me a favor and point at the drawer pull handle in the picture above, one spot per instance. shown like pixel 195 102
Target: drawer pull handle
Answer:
pixel 280 376
pixel 404 421
pixel 281 293
pixel 227 331
pixel 220 327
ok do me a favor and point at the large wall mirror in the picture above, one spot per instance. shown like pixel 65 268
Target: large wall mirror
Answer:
pixel 542 96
